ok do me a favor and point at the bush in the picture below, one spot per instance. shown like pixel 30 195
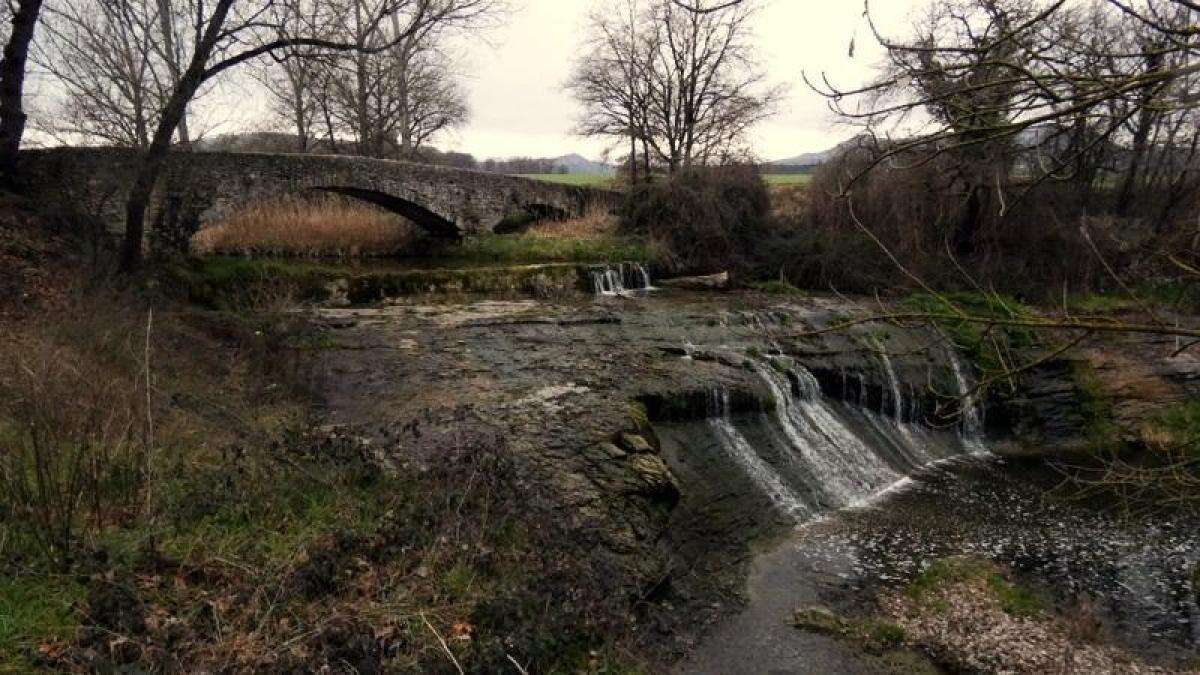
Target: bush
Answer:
pixel 74 432
pixel 1030 240
pixel 707 220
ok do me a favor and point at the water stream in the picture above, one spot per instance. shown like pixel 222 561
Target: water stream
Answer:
pixel 811 453
pixel 621 280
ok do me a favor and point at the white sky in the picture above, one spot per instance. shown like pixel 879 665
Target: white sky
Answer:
pixel 516 76
pixel 519 105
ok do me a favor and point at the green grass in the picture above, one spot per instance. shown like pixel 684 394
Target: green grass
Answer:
pixel 781 179
pixel 875 635
pixel 519 248
pixel 986 346
pixel 1014 599
pixel 1096 404
pixel 34 610
pixel 1183 422
pixel 577 179
pixel 1097 303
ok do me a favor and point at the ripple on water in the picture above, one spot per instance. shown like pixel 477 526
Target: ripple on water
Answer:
pixel 1137 570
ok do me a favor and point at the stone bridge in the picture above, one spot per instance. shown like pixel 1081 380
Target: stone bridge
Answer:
pixel 201 188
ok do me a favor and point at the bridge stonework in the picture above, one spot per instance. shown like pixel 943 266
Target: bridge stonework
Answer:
pixel 198 189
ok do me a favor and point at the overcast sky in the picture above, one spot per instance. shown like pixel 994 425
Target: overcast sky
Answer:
pixel 516 76
pixel 519 105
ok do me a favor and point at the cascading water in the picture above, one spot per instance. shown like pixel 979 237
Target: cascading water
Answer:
pixel 764 476
pixel 811 453
pixel 897 425
pixel 637 278
pixel 608 282
pixel 622 280
pixel 893 381
pixel 844 466
pixel 971 426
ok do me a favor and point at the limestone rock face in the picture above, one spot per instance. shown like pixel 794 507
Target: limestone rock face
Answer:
pixel 656 480
pixel 1112 392
pixel 636 444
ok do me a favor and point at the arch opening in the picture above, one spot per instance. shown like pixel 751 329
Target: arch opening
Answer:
pixel 430 222
pixel 529 215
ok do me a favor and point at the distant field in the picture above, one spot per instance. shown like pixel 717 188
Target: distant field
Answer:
pixel 585 179
pixel 597 180
pixel 787 178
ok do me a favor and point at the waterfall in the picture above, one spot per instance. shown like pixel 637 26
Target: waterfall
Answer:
pixel 811 453
pixel 897 426
pixel 621 280
pixel 893 381
pixel 755 467
pixel 636 277
pixel 607 282
pixel 845 467
pixel 971 426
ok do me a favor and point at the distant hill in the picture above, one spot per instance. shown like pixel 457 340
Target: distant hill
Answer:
pixel 807 159
pixel 813 159
pixel 576 163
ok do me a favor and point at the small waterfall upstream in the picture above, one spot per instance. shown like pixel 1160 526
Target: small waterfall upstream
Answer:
pixel 621 280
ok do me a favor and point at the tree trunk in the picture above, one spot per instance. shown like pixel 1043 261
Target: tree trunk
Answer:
pixel 632 159
pixel 646 161
pixel 1141 134
pixel 12 85
pixel 970 222
pixel 149 171
pixel 167 27
pixel 160 146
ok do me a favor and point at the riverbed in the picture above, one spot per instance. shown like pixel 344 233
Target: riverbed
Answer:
pixel 732 467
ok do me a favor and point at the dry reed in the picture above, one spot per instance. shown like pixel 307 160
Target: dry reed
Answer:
pixel 595 223
pixel 314 227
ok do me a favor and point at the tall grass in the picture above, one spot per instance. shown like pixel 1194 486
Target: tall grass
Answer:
pixel 594 224
pixel 326 226
pixel 75 432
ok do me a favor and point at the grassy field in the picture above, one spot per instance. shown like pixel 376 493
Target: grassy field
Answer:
pixel 787 178
pixel 596 180
pixel 582 179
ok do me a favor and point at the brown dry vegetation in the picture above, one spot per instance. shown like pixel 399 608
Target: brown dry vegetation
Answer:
pixel 1052 241
pixel 966 614
pixel 326 226
pixel 594 224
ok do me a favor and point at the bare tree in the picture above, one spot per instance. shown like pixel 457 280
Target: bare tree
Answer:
pixel 683 83
pixel 297 73
pixel 103 54
pixel 116 63
pixel 1007 68
pixel 432 101
pixel 12 82
pixel 610 79
pixel 229 33
pixel 391 101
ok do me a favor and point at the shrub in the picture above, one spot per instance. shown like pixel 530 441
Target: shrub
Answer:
pixel 706 219
pixel 1030 241
pixel 74 433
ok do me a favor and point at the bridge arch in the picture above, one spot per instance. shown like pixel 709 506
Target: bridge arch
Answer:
pixel 432 223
